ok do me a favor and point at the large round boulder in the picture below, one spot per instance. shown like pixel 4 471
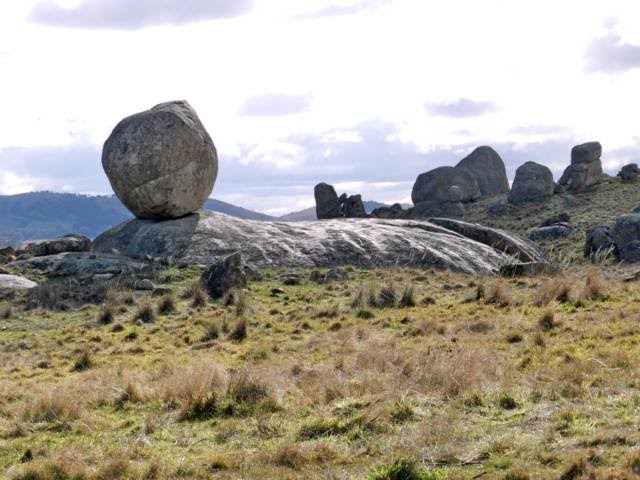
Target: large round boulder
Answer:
pixel 486 166
pixel 533 183
pixel 585 168
pixel 436 186
pixel 629 173
pixel 162 162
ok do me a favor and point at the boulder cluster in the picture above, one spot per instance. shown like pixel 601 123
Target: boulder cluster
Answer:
pixel 444 191
pixel 329 205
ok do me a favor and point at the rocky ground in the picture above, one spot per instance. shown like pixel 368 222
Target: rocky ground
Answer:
pixel 394 373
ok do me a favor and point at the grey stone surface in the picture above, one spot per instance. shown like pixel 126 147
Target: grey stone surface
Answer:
pixel 486 166
pixel 626 229
pixel 520 248
pixel 533 183
pixel 83 265
pixel 66 243
pixel 630 252
pixel 162 162
pixel 426 210
pixel 562 217
pixel 585 168
pixel 394 211
pixel 435 186
pixel 629 173
pixel 205 237
pixel 599 241
pixel 226 274
pixel 327 202
pixel 353 207
pixel 12 284
pixel 552 232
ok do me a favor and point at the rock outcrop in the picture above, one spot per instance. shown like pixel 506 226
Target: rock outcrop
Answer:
pixel 206 237
pixel 513 245
pixel 327 202
pixel 425 210
pixel 626 230
pixel 225 275
pixel 10 285
pixel 436 186
pixel 629 173
pixel 395 211
pixel 66 243
pixel 353 207
pixel 533 183
pixel 487 168
pixel 552 232
pixel 585 168
pixel 162 162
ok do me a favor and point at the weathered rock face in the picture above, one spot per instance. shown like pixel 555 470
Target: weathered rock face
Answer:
pixel 162 162
pixel 327 202
pixel 625 231
pixel 83 265
pixel 533 183
pixel 629 173
pixel 206 237
pixel 501 240
pixel 599 241
pixel 435 186
pixel 427 210
pixel 13 284
pixel 630 252
pixel 486 166
pixel 585 168
pixel 66 243
pixel 552 232
pixel 225 275
pixel 353 207
pixel 560 218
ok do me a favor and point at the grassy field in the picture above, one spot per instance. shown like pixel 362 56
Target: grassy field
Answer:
pixel 394 374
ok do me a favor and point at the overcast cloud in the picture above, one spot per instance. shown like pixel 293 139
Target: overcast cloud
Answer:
pixel 364 94
pixel 134 14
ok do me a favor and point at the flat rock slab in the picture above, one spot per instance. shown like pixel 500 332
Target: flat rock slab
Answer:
pixel 205 237
pixel 12 284
pixel 82 264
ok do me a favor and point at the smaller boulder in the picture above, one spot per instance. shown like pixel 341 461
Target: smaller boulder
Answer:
pixel 626 229
pixel 353 207
pixel 144 285
pixel 569 201
pixel 327 202
pixel 599 241
pixel 225 275
pixel 563 217
pixel 488 169
pixel 435 186
pixel 525 269
pixel 629 173
pixel 630 252
pixel 533 183
pixel 395 211
pixel 424 210
pixel 585 168
pixel 64 244
pixel 552 232
pixel 10 285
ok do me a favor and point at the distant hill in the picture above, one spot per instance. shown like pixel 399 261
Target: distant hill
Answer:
pixel 310 213
pixel 40 215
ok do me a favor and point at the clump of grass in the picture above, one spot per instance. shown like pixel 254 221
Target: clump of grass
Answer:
pixel 594 286
pixel 403 469
pixel 6 312
pixel 242 303
pixel 327 311
pixel 83 362
pixel 167 304
pixel 199 296
pixel 239 330
pixel 559 289
pixel 408 299
pixel 514 337
pixel 107 315
pixel 547 320
pixel 55 406
pixel 145 313
pixel 61 468
pixel 365 314
pixel 211 331
pixel 497 294
pixel 402 411
pixel 633 463
pixel 387 297
pixel 290 455
pixel 574 471
pixel 242 388
pixel 516 475
pixel 507 402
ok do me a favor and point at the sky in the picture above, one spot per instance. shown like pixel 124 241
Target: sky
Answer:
pixel 363 94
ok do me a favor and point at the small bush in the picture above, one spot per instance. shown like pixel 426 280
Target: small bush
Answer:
pixel 402 469
pixel 514 337
pixel 507 402
pixel 594 286
pixel 199 296
pixel 145 313
pixel 402 411
pixel 365 314
pixel 516 475
pixel 6 312
pixel 107 315
pixel 83 362
pixel 547 321
pixel 290 455
pixel 239 331
pixel 54 469
pixel 408 299
pixel 211 331
pixel 55 406
pixel 387 297
pixel 167 304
